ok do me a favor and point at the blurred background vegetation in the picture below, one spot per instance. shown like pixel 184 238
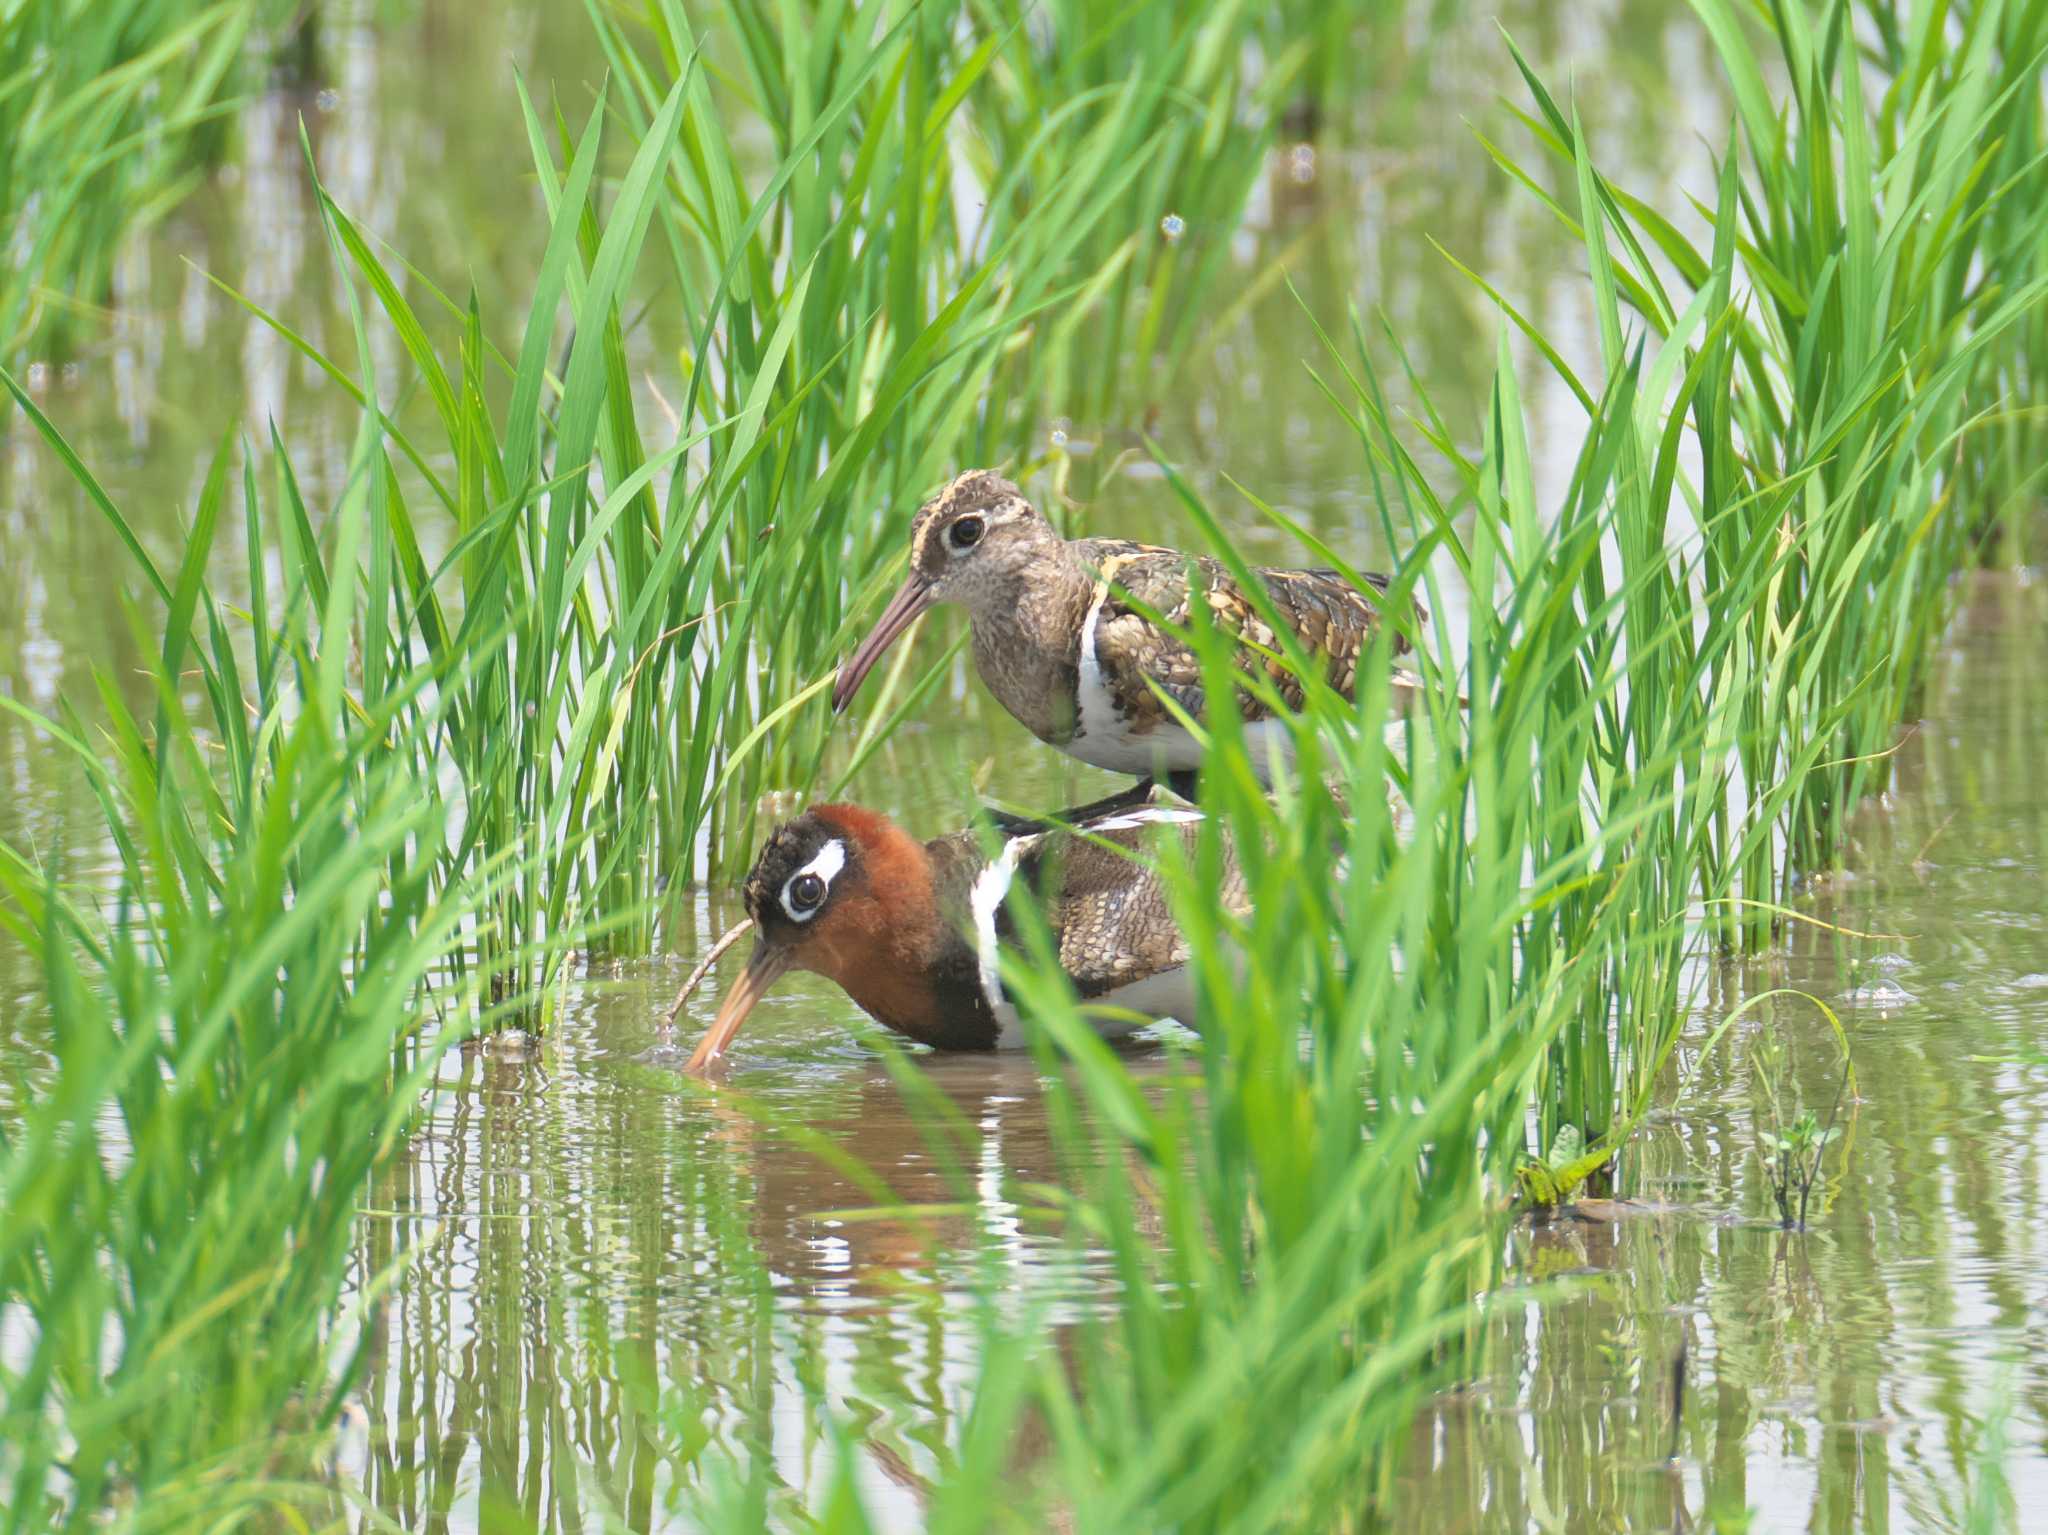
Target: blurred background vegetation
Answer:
pixel 109 116
pixel 386 725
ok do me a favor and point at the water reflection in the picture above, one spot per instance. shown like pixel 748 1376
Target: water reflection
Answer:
pixel 610 1270
pixel 601 1246
pixel 616 1248
pixel 1837 1379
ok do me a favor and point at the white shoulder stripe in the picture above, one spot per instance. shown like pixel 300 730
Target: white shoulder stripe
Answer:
pixel 1145 815
pixel 1102 735
pixel 984 901
pixel 1094 709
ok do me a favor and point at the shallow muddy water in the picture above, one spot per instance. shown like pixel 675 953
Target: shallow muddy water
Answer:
pixel 1836 1377
pixel 604 1258
pixel 585 1221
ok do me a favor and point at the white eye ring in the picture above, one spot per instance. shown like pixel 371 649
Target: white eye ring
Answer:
pixel 823 868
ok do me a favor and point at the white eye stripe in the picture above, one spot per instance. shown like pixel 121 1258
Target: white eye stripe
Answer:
pixel 830 860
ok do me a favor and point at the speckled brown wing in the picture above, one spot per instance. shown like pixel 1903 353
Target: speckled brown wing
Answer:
pixel 1330 619
pixel 1107 909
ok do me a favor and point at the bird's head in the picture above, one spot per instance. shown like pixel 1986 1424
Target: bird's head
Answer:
pixel 973 543
pixel 829 893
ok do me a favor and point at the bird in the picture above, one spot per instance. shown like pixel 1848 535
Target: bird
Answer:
pixel 1062 636
pixel 912 931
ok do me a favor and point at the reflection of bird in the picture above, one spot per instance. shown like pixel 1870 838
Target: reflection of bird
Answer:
pixel 911 930
pixel 1060 638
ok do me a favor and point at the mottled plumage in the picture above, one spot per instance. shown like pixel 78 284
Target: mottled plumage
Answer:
pixel 1330 619
pixel 1109 917
pixel 911 931
pixel 1063 633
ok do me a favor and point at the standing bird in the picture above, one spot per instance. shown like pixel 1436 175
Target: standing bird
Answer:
pixel 912 930
pixel 1060 641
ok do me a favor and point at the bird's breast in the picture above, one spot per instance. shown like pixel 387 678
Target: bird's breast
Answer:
pixel 1112 729
pixel 1031 678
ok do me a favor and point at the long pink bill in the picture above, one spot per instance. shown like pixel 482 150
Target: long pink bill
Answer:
pixel 905 608
pixel 763 971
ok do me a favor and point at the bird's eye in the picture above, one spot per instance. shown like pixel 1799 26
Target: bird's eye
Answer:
pixel 805 892
pixel 967 532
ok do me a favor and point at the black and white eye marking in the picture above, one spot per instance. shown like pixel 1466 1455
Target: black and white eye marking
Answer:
pixel 966 531
pixel 805 891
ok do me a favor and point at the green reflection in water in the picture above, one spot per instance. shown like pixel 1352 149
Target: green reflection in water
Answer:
pixel 593 1235
pixel 592 1240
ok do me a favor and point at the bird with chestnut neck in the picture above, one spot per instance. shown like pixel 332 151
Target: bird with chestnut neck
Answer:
pixel 913 931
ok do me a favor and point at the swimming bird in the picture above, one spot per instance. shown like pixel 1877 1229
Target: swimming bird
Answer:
pixel 1060 638
pixel 912 930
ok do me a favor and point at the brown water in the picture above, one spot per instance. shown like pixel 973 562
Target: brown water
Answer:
pixel 588 1234
pixel 1836 1376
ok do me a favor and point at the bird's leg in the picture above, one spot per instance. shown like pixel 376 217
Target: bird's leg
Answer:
pixel 1182 782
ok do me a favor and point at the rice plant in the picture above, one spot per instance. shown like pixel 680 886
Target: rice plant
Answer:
pixel 1773 615
pixel 1298 1236
pixel 1466 956
pixel 673 604
pixel 292 869
pixel 240 1029
pixel 960 234
pixel 1415 1008
pixel 1304 1235
pixel 1888 281
pixel 110 110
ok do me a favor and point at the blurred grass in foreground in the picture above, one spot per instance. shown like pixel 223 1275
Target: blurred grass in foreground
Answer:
pixel 242 1027
pixel 1458 982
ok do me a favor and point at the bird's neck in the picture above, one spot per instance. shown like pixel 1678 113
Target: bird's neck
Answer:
pixel 1027 642
pixel 899 953
pixel 925 985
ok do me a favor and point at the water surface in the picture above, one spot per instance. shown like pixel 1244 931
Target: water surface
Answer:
pixel 605 1258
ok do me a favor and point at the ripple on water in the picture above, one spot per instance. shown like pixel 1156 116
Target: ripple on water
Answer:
pixel 1882 994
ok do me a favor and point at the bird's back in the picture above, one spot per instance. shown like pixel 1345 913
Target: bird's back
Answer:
pixel 1330 619
pixel 1106 907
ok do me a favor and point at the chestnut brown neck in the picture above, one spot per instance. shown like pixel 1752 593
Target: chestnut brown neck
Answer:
pixel 890 945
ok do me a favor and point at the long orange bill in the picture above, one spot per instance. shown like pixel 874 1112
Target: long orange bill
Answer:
pixel 911 599
pixel 762 972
